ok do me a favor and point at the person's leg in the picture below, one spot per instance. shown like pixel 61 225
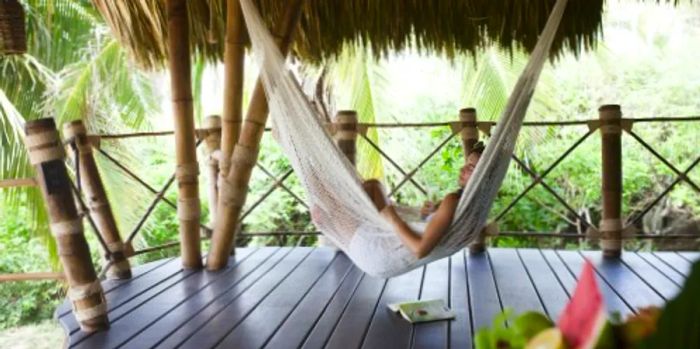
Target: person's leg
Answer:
pixel 377 193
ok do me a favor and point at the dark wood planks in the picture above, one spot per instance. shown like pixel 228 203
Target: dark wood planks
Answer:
pixel 131 297
pixel 660 283
pixel 293 331
pixel 662 267
pixel 615 303
pixel 313 298
pixel 673 260
pixel 150 306
pixel 318 335
pixel 261 323
pixel 201 318
pixel 226 280
pixel 561 271
pixel 691 256
pixel 113 284
pixel 550 290
pixel 483 295
pixel 514 286
pixel 219 325
pixel 628 285
pixel 436 285
pixel 388 329
pixel 130 290
pixel 459 329
pixel 350 330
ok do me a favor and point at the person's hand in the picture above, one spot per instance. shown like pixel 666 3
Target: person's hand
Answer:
pixel 427 209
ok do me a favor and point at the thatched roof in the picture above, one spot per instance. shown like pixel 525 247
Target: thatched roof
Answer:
pixel 442 26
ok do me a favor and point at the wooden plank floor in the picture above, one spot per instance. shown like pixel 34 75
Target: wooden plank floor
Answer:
pixel 315 298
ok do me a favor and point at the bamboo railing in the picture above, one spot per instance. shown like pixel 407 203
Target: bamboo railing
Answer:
pixel 538 179
pixel 613 229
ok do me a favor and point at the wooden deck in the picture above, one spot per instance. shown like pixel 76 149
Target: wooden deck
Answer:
pixel 312 298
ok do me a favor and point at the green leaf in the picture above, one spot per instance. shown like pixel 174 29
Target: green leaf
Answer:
pixel 680 320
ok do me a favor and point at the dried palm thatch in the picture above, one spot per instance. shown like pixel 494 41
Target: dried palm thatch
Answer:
pixel 438 26
pixel 13 37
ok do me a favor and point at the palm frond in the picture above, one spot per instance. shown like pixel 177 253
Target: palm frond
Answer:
pixel 23 82
pixel 104 90
pixel 353 83
pixel 103 87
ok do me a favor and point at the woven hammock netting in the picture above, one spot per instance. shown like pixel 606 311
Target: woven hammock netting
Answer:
pixel 344 212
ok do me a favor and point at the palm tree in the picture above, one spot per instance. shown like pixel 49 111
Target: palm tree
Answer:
pixel 73 70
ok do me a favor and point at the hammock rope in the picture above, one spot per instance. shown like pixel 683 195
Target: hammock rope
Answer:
pixel 343 211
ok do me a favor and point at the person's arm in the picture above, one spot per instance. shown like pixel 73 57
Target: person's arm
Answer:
pixel 436 228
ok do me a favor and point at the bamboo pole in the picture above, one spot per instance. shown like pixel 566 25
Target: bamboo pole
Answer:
pixel 46 154
pixel 212 140
pixel 188 209
pixel 17 182
pixel 346 133
pixel 244 156
pixel 97 202
pixel 234 73
pixel 611 137
pixel 469 133
pixel 35 276
pixel 439 124
pixel 470 136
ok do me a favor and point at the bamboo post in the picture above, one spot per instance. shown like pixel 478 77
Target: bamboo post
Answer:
pixel 17 182
pixel 346 138
pixel 611 222
pixel 346 133
pixel 470 136
pixel 85 291
pixel 100 210
pixel 234 188
pixel 188 209
pixel 234 72
pixel 479 244
pixel 212 139
pixel 469 133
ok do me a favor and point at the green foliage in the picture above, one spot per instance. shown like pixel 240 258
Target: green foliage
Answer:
pixel 499 335
pixel 358 79
pixel 72 70
pixel 24 302
pixel 680 319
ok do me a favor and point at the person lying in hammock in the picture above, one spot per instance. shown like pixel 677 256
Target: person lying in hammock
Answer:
pixel 439 216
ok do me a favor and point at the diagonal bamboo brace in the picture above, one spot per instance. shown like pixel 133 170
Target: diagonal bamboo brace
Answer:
pixel 96 196
pixel 235 186
pixel 234 70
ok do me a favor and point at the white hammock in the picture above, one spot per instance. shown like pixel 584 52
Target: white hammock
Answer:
pixel 347 216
